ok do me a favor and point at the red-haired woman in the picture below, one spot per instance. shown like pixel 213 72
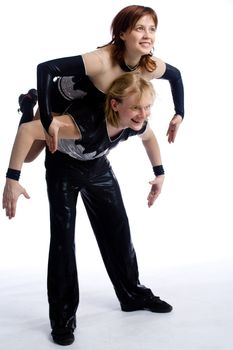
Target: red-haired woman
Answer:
pixel 84 80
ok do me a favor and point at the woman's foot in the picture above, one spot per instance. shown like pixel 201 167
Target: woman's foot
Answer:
pixel 150 303
pixel 29 97
pixel 26 104
pixel 63 336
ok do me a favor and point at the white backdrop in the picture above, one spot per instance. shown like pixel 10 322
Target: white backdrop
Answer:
pixel 191 221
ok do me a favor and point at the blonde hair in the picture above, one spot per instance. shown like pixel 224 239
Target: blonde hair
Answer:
pixel 122 87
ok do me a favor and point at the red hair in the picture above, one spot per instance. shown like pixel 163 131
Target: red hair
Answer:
pixel 125 20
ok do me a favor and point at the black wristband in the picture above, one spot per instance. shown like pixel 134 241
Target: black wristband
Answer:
pixel 158 170
pixel 13 174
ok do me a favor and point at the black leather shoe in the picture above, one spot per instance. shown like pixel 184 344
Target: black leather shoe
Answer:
pixel 63 336
pixel 30 96
pixel 152 303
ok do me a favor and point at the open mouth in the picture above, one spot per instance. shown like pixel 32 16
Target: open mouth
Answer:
pixel 137 121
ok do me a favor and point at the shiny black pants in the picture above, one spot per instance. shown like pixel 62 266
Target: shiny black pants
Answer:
pixel 100 192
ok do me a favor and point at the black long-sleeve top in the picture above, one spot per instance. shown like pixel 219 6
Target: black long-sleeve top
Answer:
pixel 74 67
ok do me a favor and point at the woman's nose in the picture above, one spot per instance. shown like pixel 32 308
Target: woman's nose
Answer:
pixel 144 113
pixel 147 33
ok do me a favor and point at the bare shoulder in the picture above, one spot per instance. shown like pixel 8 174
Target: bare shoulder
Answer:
pixel 96 62
pixel 160 68
pixel 148 133
pixel 100 68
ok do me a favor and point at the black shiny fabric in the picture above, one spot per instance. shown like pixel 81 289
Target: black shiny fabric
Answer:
pixel 95 181
pixel 74 66
pixel 173 75
pixel 46 72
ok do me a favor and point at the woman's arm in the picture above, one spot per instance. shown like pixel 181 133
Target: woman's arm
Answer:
pixel 11 193
pixel 46 72
pixel 91 64
pixel 173 75
pixel 153 151
pixel 25 137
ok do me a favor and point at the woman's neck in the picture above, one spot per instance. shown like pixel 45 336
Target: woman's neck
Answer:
pixel 128 68
pixel 131 62
pixel 113 131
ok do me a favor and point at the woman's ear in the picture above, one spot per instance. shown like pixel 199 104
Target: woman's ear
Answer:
pixel 114 104
pixel 122 36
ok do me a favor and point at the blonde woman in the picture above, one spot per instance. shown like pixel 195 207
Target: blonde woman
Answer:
pixel 85 136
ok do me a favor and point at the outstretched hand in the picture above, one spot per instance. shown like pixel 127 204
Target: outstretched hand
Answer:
pixel 173 128
pixel 11 193
pixel 51 137
pixel 156 187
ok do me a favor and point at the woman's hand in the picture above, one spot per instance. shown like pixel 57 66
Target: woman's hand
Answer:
pixel 173 128
pixel 155 191
pixel 51 137
pixel 11 193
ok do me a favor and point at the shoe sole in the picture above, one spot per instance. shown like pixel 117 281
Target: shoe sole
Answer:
pixel 131 308
pixel 63 341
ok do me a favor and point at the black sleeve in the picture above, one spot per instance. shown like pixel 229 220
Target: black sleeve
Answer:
pixel 174 76
pixel 46 72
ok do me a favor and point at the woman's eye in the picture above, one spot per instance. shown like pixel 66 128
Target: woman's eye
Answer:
pixel 140 28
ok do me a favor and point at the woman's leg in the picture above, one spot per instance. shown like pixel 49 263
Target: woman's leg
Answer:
pixel 63 291
pixel 37 146
pixel 25 137
pixel 27 103
pixel 64 178
pixel 31 131
pixel 105 208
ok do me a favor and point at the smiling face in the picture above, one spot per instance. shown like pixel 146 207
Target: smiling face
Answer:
pixel 140 40
pixel 133 110
pixel 128 101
